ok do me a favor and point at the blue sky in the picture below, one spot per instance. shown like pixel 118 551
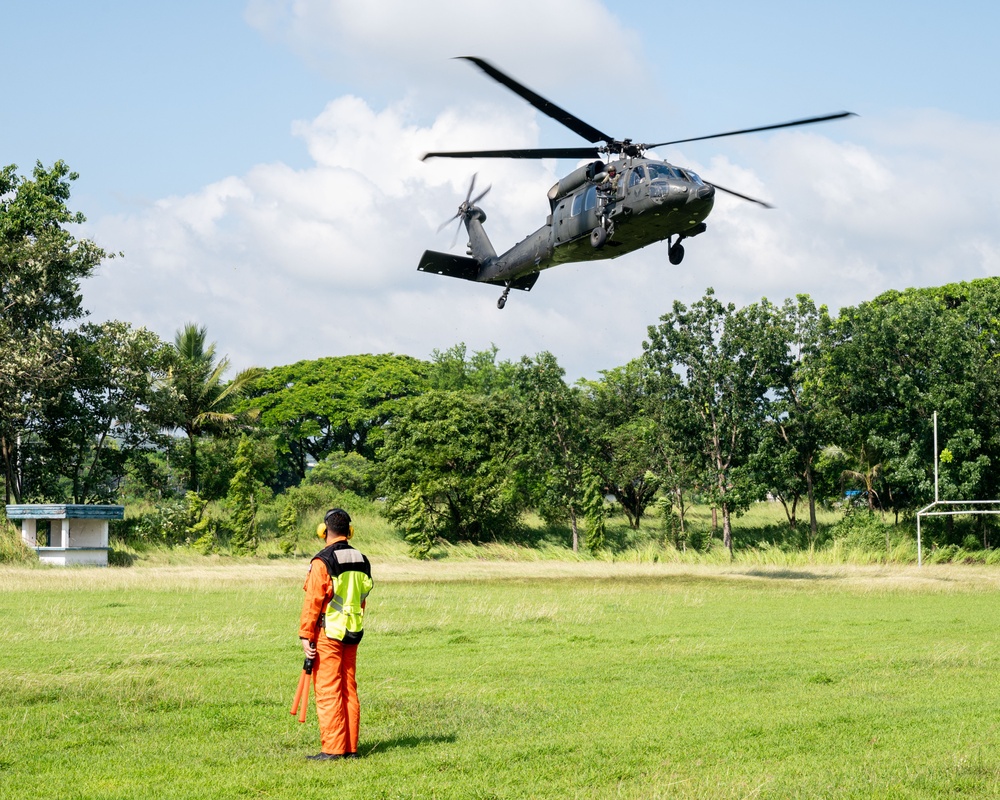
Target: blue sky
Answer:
pixel 257 160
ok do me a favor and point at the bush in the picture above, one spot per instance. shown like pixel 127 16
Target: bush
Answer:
pixel 343 472
pixel 861 529
pixel 172 523
pixel 119 557
pixel 163 523
pixel 13 550
pixel 317 499
pixel 943 555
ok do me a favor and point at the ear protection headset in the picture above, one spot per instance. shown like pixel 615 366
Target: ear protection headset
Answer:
pixel 321 528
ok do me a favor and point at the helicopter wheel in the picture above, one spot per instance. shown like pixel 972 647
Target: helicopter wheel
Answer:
pixel 503 298
pixel 598 237
pixel 676 253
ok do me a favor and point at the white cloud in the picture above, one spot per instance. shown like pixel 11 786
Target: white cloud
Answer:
pixel 284 264
pixel 380 41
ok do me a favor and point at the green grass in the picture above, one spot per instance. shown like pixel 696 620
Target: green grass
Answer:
pixel 490 679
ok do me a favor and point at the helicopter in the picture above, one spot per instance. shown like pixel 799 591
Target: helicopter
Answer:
pixel 618 202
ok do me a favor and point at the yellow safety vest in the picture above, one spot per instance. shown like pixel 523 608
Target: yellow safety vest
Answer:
pixel 350 576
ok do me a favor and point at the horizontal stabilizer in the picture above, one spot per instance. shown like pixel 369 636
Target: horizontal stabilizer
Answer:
pixel 467 269
pixel 447 264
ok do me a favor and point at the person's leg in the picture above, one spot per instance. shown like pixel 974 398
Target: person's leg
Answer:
pixel 330 708
pixel 352 708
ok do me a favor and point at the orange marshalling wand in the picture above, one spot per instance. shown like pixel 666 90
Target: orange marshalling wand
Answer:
pixel 301 700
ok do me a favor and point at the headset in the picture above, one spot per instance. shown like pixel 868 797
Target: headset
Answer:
pixel 321 528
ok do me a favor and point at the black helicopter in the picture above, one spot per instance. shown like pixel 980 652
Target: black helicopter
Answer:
pixel 603 209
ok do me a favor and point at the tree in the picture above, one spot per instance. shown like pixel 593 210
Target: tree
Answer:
pixel 798 424
pixel 244 499
pixel 555 439
pixel 453 370
pixel 625 438
pixel 204 401
pixel 721 364
pixel 675 453
pixel 894 361
pixel 448 468
pixel 41 266
pixel 344 472
pixel 108 408
pixel 318 407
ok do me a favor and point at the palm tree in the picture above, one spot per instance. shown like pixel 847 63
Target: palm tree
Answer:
pixel 204 401
pixel 867 474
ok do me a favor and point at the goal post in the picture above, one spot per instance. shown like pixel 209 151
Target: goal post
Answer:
pixel 929 511
pixel 950 511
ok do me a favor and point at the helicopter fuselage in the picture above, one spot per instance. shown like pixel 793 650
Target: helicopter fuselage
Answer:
pixel 650 201
pixel 592 217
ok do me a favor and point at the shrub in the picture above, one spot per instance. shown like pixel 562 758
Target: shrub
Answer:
pixel 244 498
pixel 861 529
pixel 165 523
pixel 288 520
pixel 343 472
pixel 312 499
pixel 943 555
pixel 172 523
pixel 13 550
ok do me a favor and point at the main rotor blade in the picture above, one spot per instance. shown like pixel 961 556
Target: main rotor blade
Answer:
pixel 741 196
pixel 575 124
pixel 793 123
pixel 550 152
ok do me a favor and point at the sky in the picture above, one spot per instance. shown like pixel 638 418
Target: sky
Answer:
pixel 257 162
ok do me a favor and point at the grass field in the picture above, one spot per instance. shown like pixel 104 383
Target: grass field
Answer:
pixel 483 679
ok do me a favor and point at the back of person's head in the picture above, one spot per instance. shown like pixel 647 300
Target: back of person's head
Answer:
pixel 338 521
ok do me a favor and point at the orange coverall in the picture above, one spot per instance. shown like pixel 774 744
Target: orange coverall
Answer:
pixel 336 689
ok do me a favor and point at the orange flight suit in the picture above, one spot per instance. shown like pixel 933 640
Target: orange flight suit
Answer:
pixel 336 689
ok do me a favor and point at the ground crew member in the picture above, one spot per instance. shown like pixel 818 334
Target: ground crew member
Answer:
pixel 330 627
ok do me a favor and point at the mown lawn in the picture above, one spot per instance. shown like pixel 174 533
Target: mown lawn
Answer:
pixel 490 680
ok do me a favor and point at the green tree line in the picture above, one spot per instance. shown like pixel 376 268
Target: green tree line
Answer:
pixel 726 406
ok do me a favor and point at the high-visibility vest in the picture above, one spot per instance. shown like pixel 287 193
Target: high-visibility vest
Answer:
pixel 351 578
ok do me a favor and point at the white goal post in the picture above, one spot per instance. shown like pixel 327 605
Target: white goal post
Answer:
pixel 928 511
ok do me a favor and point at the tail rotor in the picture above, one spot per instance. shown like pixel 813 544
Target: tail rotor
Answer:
pixel 467 206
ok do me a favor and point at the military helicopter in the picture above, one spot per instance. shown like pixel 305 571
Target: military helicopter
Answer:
pixel 603 209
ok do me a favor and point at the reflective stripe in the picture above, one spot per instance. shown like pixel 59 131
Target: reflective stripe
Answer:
pixel 344 612
pixel 348 556
pixel 337 604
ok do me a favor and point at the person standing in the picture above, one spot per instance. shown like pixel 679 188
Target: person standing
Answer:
pixel 330 627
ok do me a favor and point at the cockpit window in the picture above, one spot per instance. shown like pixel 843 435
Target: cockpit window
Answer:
pixel 636 175
pixel 665 171
pixel 693 177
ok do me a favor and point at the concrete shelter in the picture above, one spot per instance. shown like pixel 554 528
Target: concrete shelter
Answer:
pixel 78 534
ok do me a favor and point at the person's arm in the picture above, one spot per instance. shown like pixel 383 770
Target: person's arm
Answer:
pixel 317 589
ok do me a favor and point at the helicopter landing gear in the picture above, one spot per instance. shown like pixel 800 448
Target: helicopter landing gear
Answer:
pixel 600 235
pixel 676 253
pixel 503 298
